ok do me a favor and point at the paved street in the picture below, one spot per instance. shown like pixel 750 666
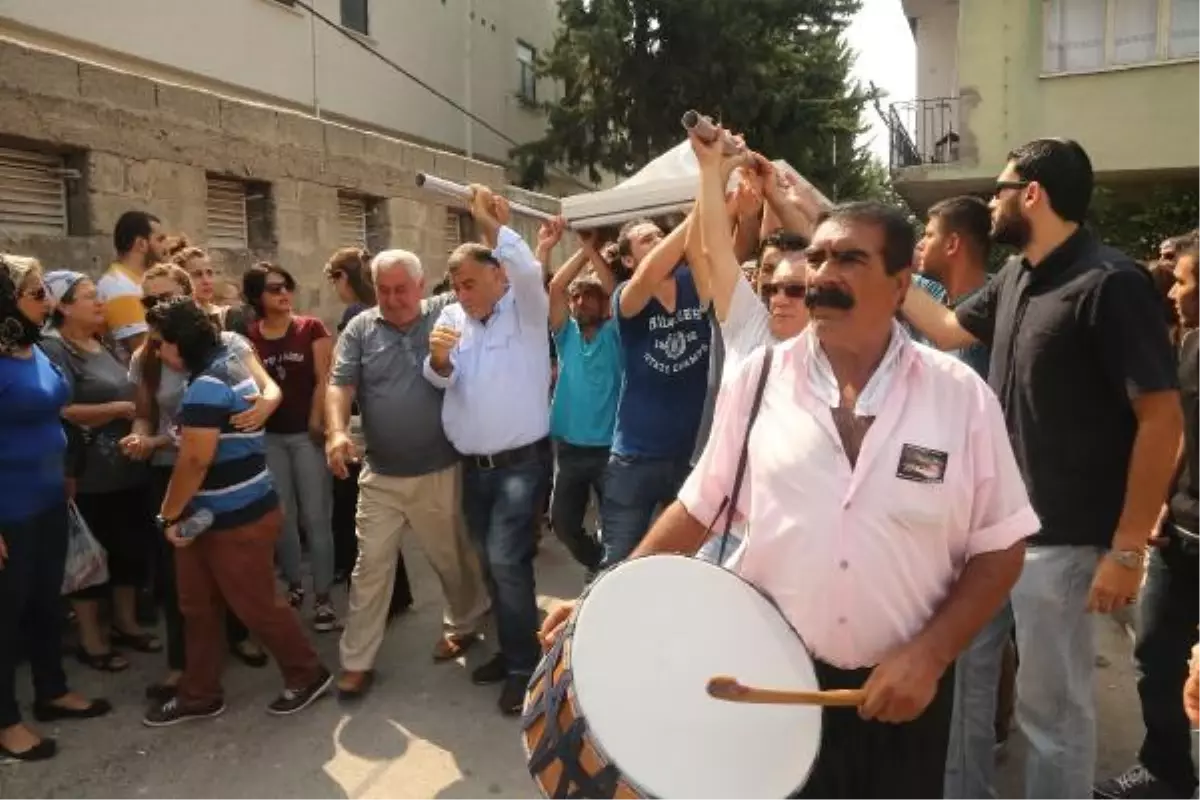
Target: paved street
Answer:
pixel 425 731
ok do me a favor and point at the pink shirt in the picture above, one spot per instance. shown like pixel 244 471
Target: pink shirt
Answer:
pixel 859 560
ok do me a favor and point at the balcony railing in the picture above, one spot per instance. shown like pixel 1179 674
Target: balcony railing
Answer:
pixel 924 131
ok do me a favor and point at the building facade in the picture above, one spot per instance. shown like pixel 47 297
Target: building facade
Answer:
pixel 1119 76
pixel 217 118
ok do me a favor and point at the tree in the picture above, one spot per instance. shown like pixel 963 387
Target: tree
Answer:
pixel 1137 223
pixel 776 71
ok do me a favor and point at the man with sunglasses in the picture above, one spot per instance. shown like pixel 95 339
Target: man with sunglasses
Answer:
pixel 1082 363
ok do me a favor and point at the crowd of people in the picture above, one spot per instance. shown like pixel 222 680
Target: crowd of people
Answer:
pixel 942 473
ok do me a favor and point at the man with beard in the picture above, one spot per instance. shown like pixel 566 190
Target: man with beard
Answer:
pixel 1084 370
pixel 140 243
pixel 1168 615
pixel 886 509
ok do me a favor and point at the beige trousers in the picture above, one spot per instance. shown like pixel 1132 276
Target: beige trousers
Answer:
pixel 431 506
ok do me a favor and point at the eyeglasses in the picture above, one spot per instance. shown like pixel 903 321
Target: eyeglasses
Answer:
pixel 795 291
pixel 276 288
pixel 38 294
pixel 149 301
pixel 1002 185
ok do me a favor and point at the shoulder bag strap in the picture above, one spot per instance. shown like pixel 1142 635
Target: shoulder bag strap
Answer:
pixel 740 474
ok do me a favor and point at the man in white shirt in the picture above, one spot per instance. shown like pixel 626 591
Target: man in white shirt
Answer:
pixel 491 355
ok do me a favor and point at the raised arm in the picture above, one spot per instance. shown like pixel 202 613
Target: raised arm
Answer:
pixel 559 284
pixel 792 204
pixel 936 323
pixel 712 219
pixel 588 241
pixel 653 270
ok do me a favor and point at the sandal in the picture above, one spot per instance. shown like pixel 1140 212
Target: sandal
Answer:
pixel 449 648
pixel 141 642
pixel 101 662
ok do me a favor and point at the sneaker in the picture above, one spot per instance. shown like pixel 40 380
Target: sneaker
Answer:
pixel 295 595
pixel 324 618
pixel 1135 782
pixel 292 700
pixel 493 671
pixel 172 713
pixel 512 696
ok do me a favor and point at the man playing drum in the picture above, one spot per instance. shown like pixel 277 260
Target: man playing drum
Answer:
pixel 884 509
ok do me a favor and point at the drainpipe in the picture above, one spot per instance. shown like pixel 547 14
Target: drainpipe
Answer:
pixel 469 145
pixel 312 41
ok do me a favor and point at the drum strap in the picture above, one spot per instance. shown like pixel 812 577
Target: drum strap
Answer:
pixel 730 503
pixel 557 744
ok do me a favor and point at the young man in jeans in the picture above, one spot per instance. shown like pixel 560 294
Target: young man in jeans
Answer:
pixel 222 471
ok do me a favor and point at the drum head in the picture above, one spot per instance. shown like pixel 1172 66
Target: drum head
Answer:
pixel 648 637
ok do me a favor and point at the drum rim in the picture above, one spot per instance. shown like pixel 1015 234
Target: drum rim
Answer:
pixel 599 746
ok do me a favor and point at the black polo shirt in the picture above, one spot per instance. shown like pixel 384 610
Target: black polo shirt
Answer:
pixel 1073 340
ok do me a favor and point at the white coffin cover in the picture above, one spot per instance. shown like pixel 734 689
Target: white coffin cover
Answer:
pixel 667 184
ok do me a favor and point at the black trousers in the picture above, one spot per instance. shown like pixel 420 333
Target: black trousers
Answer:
pixel 1166 633
pixel 167 589
pixel 865 758
pixel 123 524
pixel 31 611
pixel 345 539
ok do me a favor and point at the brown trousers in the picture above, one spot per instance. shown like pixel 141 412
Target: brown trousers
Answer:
pixel 236 567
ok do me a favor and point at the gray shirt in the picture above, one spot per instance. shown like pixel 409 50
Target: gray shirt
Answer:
pixel 98 378
pixel 401 411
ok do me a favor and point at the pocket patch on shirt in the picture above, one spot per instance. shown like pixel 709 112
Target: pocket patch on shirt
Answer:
pixel 921 464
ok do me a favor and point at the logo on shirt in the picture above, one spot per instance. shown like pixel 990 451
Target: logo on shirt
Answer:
pixel 921 464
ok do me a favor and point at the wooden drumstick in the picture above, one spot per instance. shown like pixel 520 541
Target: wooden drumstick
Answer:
pixel 726 687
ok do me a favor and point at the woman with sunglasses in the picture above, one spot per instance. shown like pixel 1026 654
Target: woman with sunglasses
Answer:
pixel 204 286
pixel 160 390
pixel 111 488
pixel 349 273
pixel 33 517
pixel 296 351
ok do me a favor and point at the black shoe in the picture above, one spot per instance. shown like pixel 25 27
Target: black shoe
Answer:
pixel 48 712
pixel 291 701
pixel 512 696
pixel 41 751
pixel 160 693
pixel 1134 783
pixel 493 671
pixel 172 713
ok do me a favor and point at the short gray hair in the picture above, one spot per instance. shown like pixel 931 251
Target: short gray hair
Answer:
pixel 393 258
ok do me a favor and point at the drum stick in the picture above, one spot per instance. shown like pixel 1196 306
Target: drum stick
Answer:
pixel 725 687
pixel 463 193
pixel 702 126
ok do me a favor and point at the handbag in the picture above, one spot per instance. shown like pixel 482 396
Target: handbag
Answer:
pixel 87 561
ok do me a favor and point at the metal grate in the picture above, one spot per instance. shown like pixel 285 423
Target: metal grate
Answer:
pixel 352 221
pixel 226 207
pixel 33 195
pixel 458 227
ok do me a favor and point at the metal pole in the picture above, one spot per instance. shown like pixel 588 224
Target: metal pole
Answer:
pixel 312 40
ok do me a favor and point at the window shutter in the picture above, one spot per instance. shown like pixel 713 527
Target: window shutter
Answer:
pixel 454 230
pixel 33 196
pixel 227 214
pixel 352 221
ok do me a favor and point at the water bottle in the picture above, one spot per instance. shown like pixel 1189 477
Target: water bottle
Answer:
pixel 195 525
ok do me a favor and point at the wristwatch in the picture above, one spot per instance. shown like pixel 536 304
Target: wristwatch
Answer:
pixel 1129 559
pixel 163 523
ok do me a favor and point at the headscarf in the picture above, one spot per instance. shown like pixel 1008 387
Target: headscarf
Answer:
pixel 16 330
pixel 60 282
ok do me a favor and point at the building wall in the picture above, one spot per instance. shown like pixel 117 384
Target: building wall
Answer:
pixel 937 47
pixel 140 143
pixel 260 49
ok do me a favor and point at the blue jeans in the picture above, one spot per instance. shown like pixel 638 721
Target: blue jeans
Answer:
pixel 1056 705
pixel 305 488
pixel 500 505
pixel 970 758
pixel 578 472
pixel 634 488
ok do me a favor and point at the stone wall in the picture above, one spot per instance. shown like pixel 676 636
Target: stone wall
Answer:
pixel 139 143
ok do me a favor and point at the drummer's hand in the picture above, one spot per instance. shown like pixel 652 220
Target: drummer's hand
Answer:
pixel 556 620
pixel 902 686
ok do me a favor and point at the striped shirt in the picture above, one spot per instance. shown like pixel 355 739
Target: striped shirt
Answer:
pixel 237 488
pixel 121 292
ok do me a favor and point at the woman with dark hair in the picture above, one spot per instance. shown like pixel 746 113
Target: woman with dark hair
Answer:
pixel 349 271
pixel 160 389
pixel 296 351
pixel 111 490
pixel 33 516
pixel 203 277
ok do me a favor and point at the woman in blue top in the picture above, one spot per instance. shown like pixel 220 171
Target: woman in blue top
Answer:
pixel 33 517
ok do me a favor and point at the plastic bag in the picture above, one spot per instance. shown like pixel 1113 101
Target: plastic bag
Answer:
pixel 87 562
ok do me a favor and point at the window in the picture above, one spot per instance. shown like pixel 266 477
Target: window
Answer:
pixel 526 77
pixel 1082 35
pixel 352 220
pixel 33 194
pixel 226 212
pixel 459 229
pixel 354 16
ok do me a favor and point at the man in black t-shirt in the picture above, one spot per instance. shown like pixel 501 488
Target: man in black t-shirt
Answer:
pixel 1083 366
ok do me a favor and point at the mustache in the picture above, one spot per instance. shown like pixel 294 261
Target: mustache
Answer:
pixel 829 297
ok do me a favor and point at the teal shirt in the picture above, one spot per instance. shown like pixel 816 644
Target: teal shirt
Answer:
pixel 584 409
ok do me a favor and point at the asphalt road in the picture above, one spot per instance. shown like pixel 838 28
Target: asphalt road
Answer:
pixel 424 731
